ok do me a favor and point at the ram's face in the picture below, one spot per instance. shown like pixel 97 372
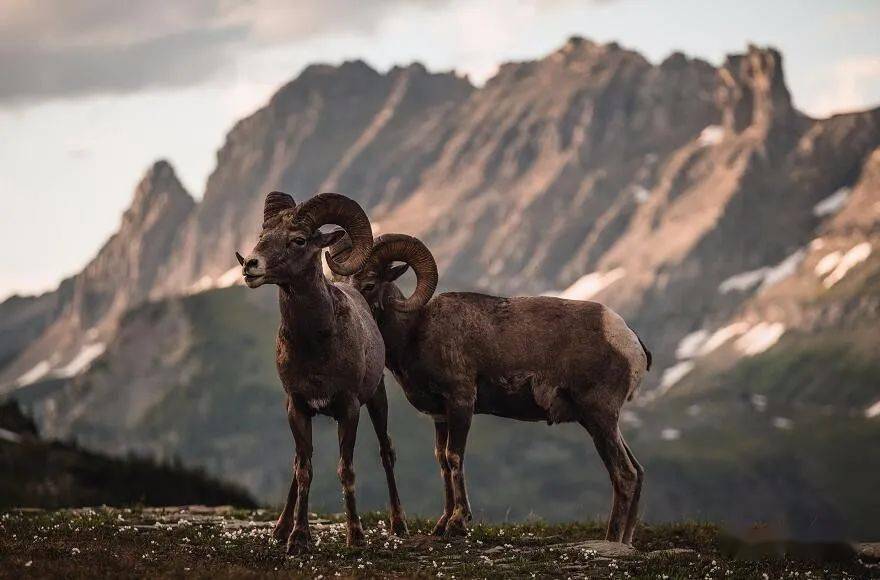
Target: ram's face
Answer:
pixel 283 251
pixel 377 286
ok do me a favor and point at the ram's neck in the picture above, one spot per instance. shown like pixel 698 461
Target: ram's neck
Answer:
pixel 307 309
pixel 397 330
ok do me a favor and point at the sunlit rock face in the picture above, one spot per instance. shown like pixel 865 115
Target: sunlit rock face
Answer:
pixel 679 193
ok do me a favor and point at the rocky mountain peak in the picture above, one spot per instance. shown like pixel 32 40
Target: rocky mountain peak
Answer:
pixel 158 187
pixel 753 90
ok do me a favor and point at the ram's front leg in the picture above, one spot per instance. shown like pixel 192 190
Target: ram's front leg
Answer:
pixel 285 520
pixel 301 424
pixel 347 427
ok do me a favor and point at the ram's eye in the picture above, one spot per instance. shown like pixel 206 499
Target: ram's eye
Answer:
pixel 368 287
pixel 299 241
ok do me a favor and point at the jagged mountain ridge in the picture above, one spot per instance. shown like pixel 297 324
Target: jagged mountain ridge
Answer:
pixel 693 199
pixel 659 180
pixel 72 325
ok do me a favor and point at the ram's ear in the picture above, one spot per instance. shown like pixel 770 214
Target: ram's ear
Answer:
pixel 396 272
pixel 328 239
pixel 275 203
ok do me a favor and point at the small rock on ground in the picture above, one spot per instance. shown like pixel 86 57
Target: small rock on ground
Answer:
pixel 868 550
pixel 605 549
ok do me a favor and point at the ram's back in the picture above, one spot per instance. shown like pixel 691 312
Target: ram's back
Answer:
pixel 550 343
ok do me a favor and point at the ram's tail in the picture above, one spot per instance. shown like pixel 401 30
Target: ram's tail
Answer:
pixel 647 352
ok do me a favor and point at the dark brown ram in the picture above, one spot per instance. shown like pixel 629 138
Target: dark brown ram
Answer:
pixel 530 359
pixel 329 352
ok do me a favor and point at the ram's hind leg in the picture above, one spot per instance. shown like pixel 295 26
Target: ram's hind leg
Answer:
pixel 633 517
pixel 378 408
pixel 624 475
pixel 459 421
pixel 441 435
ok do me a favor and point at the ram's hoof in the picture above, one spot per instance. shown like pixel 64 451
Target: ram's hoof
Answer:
pixel 399 528
pixel 281 531
pixel 440 526
pixel 455 527
pixel 355 537
pixel 298 543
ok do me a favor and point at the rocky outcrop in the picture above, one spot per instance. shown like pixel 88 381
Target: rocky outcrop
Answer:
pixel 346 128
pixel 80 317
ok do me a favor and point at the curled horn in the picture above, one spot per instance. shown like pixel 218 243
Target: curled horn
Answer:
pixel 333 208
pixel 402 248
pixel 341 250
pixel 275 203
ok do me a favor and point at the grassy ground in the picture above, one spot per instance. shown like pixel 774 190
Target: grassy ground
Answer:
pixel 225 542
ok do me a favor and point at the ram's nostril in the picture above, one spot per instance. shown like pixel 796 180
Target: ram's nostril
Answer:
pixel 251 263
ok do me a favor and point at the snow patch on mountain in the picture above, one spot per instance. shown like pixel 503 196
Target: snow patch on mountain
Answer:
pixel 674 374
pixel 743 281
pixel 641 194
pixel 36 373
pixel 689 346
pixel 82 360
pixel 828 263
pixel 765 276
pixel 722 335
pixel 783 269
pixel 833 203
pixel 591 284
pixel 230 277
pixel 873 410
pixel 711 135
pixel 855 256
pixel 760 338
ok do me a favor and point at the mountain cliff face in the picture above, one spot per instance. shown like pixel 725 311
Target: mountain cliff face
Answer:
pixel 737 235
pixel 591 172
pixel 71 326
pixel 347 129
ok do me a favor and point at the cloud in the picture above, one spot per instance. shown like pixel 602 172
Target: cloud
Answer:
pixel 63 48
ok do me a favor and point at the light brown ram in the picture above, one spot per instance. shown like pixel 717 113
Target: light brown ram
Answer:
pixel 530 359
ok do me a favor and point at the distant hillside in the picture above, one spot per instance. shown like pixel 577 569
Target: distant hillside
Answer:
pixel 38 473
pixel 193 377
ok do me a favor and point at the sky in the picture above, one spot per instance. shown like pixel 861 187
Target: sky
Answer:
pixel 93 91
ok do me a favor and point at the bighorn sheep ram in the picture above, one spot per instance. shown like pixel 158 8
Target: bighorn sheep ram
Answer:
pixel 530 359
pixel 329 352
